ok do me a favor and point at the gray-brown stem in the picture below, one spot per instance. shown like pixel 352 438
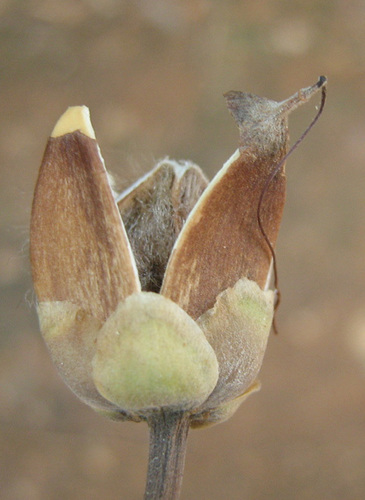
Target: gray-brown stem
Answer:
pixel 168 438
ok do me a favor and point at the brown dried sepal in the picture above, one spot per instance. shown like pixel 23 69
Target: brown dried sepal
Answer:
pixel 222 240
pixel 79 249
pixel 154 211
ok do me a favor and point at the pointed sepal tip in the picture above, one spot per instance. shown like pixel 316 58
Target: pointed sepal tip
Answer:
pixel 74 118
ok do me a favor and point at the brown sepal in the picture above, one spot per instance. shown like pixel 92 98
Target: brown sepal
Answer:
pixel 232 231
pixel 222 242
pixel 79 249
pixel 154 211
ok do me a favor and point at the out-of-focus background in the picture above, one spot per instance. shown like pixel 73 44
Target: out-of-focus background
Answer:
pixel 153 73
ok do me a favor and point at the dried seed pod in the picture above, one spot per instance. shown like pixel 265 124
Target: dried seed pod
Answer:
pixel 197 346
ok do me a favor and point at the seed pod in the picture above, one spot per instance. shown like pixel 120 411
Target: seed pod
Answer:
pixel 193 336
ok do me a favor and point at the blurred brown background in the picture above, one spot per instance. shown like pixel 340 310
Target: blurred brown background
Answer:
pixel 153 73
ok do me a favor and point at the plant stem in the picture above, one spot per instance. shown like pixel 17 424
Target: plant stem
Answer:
pixel 168 439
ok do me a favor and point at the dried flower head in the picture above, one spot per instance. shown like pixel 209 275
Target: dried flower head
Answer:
pixel 159 299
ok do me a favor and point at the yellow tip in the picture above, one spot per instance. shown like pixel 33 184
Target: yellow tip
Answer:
pixel 74 118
